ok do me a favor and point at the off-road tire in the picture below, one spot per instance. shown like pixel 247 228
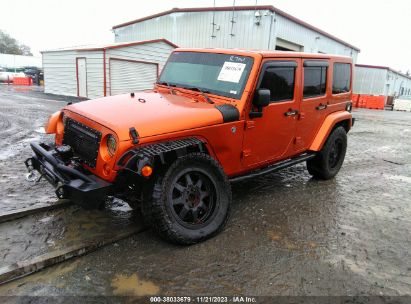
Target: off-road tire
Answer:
pixel 329 160
pixel 160 209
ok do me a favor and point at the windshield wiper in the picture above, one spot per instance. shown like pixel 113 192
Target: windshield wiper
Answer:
pixel 203 93
pixel 168 85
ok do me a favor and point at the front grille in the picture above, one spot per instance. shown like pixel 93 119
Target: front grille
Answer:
pixel 85 141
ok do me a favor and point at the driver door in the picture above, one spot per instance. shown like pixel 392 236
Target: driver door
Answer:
pixel 271 137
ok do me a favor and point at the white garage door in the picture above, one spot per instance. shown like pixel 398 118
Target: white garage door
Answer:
pixel 130 76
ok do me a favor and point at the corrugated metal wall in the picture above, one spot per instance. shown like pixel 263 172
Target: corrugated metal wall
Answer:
pixel 195 29
pixel 157 52
pixel 60 67
pixel 313 42
pixel 380 81
pixel 398 84
pixel 60 72
pixel 369 81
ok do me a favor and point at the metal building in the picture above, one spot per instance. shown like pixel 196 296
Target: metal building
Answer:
pixel 380 80
pixel 249 27
pixel 93 72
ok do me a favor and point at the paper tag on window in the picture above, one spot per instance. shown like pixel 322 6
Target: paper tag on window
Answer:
pixel 231 72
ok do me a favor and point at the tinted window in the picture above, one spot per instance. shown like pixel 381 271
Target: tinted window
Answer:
pixel 314 81
pixel 280 82
pixel 341 78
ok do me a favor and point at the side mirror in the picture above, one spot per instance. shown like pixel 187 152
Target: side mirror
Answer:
pixel 261 100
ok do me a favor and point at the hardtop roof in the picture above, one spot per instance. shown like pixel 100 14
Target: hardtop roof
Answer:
pixel 264 54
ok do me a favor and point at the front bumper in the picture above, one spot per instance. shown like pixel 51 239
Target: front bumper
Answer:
pixel 80 187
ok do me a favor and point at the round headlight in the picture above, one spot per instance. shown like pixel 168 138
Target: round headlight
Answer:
pixel 111 145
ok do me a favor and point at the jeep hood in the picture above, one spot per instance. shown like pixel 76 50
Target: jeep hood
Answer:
pixel 150 113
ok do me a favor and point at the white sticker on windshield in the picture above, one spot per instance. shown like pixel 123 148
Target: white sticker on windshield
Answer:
pixel 231 72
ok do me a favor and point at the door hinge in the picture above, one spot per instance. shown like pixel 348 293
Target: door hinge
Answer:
pixel 249 124
pixel 246 153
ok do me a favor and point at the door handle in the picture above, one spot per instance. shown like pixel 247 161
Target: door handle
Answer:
pixel 291 112
pixel 321 107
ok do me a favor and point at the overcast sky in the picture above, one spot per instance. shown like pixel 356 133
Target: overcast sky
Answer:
pixel 380 28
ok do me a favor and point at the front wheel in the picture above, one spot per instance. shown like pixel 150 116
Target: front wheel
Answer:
pixel 329 160
pixel 191 201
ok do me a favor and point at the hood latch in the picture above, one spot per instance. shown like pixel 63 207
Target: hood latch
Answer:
pixel 134 135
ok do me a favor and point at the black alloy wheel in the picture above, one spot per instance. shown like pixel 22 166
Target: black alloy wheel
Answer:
pixel 190 201
pixel 193 197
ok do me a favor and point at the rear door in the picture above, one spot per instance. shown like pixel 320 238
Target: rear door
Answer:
pixel 271 136
pixel 315 101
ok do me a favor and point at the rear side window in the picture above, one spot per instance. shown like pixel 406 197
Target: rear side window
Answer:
pixel 315 78
pixel 280 81
pixel 341 78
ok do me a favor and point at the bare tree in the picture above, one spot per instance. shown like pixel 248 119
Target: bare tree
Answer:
pixel 9 45
pixel 25 50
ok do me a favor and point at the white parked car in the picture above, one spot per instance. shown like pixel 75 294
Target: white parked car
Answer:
pixel 402 103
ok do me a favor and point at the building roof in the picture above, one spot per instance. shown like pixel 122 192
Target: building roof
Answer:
pixel 239 8
pixel 110 46
pixel 383 68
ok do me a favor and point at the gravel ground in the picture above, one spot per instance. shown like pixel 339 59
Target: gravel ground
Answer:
pixel 288 234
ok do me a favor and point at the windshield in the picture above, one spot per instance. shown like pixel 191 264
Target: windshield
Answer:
pixel 220 74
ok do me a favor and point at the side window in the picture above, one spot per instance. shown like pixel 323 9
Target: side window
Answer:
pixel 280 81
pixel 341 78
pixel 315 78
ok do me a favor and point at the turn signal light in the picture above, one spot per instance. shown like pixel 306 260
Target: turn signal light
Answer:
pixel 146 171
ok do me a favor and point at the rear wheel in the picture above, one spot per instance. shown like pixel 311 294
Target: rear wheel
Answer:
pixel 190 202
pixel 329 160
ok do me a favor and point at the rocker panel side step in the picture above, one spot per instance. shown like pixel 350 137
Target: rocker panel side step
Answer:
pixel 278 166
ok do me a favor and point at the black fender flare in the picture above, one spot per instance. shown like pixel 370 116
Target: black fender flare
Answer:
pixel 155 154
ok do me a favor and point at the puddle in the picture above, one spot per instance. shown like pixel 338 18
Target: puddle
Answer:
pixel 274 236
pixel 133 285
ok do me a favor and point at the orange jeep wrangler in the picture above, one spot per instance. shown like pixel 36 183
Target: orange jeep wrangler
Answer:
pixel 215 116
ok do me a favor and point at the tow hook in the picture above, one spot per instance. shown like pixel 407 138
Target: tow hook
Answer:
pixel 60 191
pixel 33 176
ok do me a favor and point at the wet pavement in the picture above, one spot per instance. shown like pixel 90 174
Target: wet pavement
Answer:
pixel 288 234
pixel 23 114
